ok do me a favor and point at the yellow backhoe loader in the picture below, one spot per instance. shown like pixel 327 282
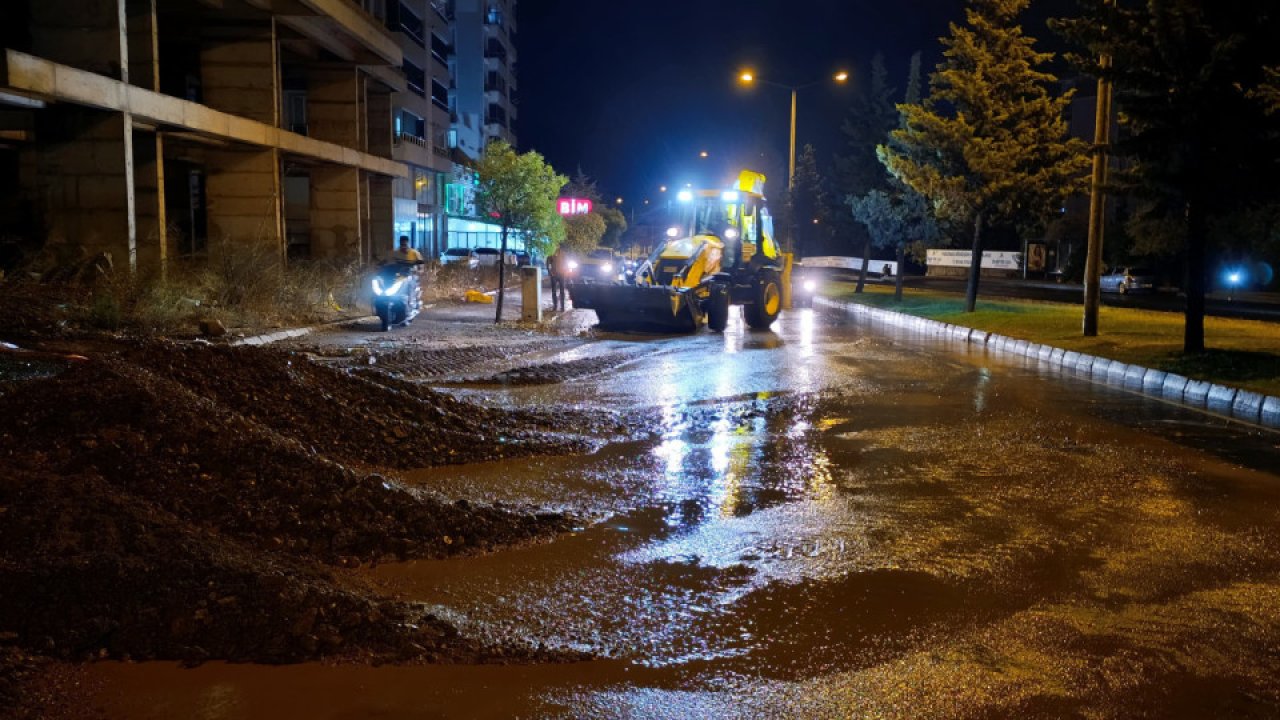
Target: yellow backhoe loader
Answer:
pixel 720 253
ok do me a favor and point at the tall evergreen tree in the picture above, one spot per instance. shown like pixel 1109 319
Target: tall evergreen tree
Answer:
pixel 898 216
pixel 871 117
pixel 1197 90
pixel 807 204
pixel 989 145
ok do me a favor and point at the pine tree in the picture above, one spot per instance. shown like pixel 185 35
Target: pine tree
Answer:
pixel 989 145
pixel 898 216
pixel 807 204
pixel 871 117
pixel 1196 87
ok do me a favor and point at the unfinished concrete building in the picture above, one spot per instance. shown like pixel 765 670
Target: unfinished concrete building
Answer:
pixel 156 129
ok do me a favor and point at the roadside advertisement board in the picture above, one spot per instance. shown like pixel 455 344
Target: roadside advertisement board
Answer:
pixel 961 259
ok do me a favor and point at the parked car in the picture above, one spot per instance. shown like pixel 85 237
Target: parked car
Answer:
pixel 1125 280
pixel 457 256
pixel 488 257
pixel 600 265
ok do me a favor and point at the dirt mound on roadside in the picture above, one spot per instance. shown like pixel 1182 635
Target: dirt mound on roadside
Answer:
pixel 191 503
pixel 91 573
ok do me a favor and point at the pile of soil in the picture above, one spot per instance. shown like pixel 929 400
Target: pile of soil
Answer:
pixel 193 502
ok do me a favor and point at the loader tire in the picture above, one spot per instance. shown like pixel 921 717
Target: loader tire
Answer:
pixel 718 308
pixel 766 303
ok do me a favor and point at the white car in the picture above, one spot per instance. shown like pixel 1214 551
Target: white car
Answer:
pixel 459 256
pixel 488 257
pixel 1125 280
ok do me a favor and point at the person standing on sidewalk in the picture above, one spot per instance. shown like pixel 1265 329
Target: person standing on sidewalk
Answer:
pixel 557 268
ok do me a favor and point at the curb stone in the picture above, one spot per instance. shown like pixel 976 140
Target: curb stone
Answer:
pixel 1220 399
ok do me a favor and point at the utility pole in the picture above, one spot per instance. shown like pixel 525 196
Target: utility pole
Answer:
pixel 1098 197
pixel 791 168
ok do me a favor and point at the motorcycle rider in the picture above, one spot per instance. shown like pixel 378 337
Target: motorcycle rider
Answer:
pixel 406 254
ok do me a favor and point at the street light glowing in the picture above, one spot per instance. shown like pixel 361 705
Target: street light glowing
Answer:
pixel 747 77
pixel 703 154
pixel 662 189
pixel 842 76
pixel 685 196
pixel 619 201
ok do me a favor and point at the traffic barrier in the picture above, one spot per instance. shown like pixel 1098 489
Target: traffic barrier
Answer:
pixel 1271 411
pixel 1221 398
pixel 1248 405
pixel 1174 386
pixel 1135 377
pixel 1196 392
pixel 1117 373
pixel 1100 368
pixel 1153 381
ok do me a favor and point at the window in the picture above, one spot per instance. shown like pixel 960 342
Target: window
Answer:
pixel 439 94
pixel 416 77
pixel 408 123
pixel 440 48
pixel 411 24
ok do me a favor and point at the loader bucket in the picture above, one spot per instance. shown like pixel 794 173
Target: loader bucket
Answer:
pixel 637 307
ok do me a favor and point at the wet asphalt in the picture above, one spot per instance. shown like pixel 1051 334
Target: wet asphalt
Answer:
pixel 833 519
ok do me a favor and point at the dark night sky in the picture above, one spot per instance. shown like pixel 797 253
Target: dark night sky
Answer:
pixel 632 91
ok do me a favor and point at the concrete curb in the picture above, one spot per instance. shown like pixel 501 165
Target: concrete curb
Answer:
pixel 1223 400
pixel 268 338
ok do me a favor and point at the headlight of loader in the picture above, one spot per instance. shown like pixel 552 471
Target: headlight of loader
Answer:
pixel 810 285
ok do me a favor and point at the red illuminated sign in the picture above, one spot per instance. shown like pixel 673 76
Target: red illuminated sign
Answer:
pixel 574 206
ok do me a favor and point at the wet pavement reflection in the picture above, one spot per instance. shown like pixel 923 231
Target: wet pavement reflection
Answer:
pixel 837 520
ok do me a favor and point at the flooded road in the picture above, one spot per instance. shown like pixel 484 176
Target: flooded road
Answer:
pixel 834 520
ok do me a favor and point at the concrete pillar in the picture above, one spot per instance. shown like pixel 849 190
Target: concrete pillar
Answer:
pixel 80 178
pixel 336 212
pixel 379 124
pixel 243 192
pixel 382 216
pixel 334 109
pixel 240 72
pixel 151 223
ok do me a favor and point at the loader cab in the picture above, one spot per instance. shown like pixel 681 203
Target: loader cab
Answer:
pixel 738 219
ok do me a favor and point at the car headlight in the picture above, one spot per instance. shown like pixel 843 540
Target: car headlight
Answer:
pixel 606 268
pixel 573 264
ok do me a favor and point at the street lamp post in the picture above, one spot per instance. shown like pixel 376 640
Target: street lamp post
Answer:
pixel 749 78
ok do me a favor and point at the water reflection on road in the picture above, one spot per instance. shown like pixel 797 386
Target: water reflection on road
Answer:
pixel 831 521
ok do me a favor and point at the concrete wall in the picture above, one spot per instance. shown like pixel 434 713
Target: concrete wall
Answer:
pixel 239 72
pixel 79 180
pixel 244 194
pixel 336 211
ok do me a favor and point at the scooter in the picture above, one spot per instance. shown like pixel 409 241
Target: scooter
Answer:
pixel 396 298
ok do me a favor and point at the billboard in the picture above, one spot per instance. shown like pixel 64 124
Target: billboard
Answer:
pixel 573 206
pixel 961 259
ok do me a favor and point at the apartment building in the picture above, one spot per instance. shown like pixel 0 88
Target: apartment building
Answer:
pixel 322 129
pixel 152 130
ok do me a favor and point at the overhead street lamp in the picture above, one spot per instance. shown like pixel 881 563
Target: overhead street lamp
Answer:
pixel 748 78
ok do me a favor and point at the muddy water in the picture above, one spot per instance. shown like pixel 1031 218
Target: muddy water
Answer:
pixel 835 520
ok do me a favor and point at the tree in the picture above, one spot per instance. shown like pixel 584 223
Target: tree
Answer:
pixel 807 212
pixel 900 217
pixel 615 225
pixel 582 233
pixel 989 145
pixel 520 191
pixel 871 118
pixel 1196 90
pixel 583 186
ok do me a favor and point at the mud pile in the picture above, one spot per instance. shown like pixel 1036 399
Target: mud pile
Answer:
pixel 191 503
